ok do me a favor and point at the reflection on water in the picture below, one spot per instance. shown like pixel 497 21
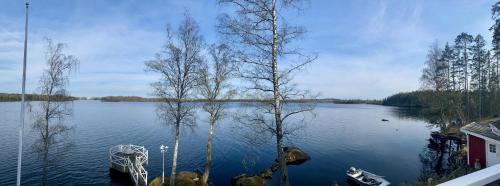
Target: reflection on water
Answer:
pixel 417 114
pixel 52 135
pixel 442 153
pixel 338 137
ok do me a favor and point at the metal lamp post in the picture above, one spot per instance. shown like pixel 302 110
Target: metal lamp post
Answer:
pixel 163 149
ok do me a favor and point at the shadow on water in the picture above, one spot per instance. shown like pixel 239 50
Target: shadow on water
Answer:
pixel 117 178
pixel 443 152
pixel 442 155
pixel 417 114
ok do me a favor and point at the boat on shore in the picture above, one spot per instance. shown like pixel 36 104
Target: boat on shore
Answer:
pixel 363 177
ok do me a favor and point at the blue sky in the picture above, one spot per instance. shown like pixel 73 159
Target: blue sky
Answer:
pixel 367 48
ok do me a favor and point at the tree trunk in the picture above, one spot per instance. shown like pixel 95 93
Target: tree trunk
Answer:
pixel 497 79
pixel 480 90
pixel 47 110
pixel 441 105
pixel 45 164
pixel 209 151
pixel 176 150
pixel 176 146
pixel 277 106
pixel 466 86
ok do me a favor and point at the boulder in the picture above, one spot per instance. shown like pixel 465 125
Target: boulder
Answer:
pixel 295 156
pixel 156 181
pixel 183 178
pixel 267 173
pixel 245 180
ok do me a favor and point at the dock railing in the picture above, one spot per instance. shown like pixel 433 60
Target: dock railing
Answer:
pixel 120 159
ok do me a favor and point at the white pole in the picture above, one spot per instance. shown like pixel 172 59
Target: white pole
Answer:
pixel 163 149
pixel 21 128
pixel 163 167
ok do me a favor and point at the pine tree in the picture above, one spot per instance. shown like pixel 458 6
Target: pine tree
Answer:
pixel 463 43
pixel 477 80
pixel 494 68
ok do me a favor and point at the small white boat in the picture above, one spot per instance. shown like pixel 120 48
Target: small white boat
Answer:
pixel 366 178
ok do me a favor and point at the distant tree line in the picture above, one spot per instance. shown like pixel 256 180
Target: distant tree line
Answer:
pixel 127 99
pixel 5 97
pixel 320 100
pixel 407 99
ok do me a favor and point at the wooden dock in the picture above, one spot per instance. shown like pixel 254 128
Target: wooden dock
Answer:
pixel 130 159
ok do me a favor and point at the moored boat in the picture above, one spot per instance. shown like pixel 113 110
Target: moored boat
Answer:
pixel 363 177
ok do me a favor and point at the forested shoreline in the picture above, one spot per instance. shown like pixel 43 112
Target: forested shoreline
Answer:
pixel 406 99
pixel 7 97
pixel 464 76
pixel 325 100
pixel 460 80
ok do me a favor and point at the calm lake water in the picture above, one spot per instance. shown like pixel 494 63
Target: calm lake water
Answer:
pixel 338 137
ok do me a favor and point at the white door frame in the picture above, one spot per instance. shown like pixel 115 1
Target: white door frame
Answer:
pixel 492 158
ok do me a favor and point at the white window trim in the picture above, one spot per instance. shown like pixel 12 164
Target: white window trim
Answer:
pixel 494 147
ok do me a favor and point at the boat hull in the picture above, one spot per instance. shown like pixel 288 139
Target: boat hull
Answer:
pixel 361 177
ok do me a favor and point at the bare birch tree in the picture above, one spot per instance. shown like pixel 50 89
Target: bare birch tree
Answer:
pixel 178 64
pixel 262 37
pixel 49 121
pixel 214 87
pixel 435 77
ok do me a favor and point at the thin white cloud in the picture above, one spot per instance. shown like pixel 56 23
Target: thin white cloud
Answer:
pixel 371 50
pixel 358 76
pixel 113 51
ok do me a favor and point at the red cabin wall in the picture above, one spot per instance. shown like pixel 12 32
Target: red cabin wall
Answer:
pixel 477 150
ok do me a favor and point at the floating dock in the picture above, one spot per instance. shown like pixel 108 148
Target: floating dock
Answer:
pixel 130 159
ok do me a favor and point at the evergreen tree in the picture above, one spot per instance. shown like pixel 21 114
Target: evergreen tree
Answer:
pixel 448 56
pixel 477 81
pixel 495 43
pixel 453 96
pixel 463 43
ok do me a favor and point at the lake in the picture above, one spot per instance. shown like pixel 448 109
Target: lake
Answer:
pixel 339 136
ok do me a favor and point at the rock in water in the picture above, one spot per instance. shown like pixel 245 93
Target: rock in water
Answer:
pixel 295 156
pixel 267 173
pixel 244 180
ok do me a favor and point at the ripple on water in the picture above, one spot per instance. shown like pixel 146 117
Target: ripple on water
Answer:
pixel 340 136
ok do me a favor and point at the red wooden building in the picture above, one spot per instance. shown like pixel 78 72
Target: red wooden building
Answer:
pixel 483 141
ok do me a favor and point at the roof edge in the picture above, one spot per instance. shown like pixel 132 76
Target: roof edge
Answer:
pixel 476 134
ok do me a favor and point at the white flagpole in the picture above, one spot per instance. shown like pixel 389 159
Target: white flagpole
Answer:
pixel 21 128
